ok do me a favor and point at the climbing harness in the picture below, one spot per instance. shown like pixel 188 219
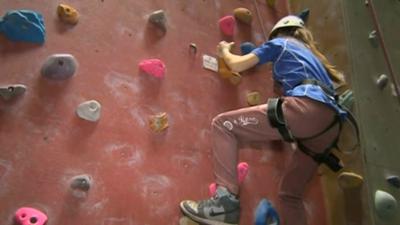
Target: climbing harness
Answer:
pixel 276 119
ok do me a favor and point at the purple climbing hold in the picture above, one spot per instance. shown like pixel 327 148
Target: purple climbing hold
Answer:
pixel 59 67
pixel 153 67
pixel 227 25
pixel 30 216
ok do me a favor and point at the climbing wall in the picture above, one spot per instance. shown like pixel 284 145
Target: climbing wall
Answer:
pixel 126 172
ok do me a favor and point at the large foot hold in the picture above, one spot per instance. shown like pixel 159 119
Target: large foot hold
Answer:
pixel 348 180
pixel 385 205
pixel 59 67
pixel 67 14
pixel 89 110
pixel 23 25
pixel 30 216
pixel 10 91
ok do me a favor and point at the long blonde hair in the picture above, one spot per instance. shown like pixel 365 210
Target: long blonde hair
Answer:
pixel 304 35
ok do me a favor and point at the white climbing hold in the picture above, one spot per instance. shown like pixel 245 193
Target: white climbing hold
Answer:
pixel 385 204
pixel 89 110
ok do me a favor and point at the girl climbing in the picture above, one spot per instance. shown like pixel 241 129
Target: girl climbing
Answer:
pixel 307 114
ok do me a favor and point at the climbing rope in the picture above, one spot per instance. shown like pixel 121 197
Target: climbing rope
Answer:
pixel 260 20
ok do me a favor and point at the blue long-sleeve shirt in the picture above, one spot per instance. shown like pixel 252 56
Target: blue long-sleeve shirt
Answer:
pixel 293 63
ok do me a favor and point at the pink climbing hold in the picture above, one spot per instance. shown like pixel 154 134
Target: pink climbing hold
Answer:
pixel 30 216
pixel 227 25
pixel 212 189
pixel 242 170
pixel 153 67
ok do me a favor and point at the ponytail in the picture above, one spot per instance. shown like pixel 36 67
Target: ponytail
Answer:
pixel 304 35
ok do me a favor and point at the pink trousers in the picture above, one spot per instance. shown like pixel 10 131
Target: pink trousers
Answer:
pixel 304 117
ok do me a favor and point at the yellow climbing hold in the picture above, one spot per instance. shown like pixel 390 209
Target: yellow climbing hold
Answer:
pixel 243 15
pixel 349 180
pixel 253 98
pixel 159 122
pixel 271 3
pixel 67 14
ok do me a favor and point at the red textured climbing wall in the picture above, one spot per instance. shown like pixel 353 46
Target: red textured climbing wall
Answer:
pixel 139 177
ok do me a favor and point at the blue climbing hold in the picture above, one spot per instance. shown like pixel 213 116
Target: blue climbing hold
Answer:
pixel 23 25
pixel 394 181
pixel 304 15
pixel 247 47
pixel 266 214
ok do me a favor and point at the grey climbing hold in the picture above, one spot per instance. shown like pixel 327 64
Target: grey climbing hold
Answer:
pixel 394 181
pixel 59 67
pixel 159 19
pixel 10 91
pixel 80 185
pixel 373 38
pixel 385 204
pixel 81 182
pixel 89 110
pixel 382 81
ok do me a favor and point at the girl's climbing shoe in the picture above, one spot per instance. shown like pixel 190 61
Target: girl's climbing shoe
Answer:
pixel 222 209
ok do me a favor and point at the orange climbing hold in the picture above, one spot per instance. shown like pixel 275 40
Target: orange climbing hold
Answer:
pixel 67 14
pixel 159 122
pixel 243 15
pixel 227 25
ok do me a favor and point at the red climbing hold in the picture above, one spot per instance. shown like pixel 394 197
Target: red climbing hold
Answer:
pixel 153 67
pixel 227 25
pixel 29 216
